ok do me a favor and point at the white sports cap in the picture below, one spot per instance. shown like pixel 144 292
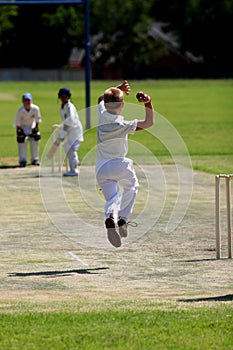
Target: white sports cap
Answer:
pixel 27 96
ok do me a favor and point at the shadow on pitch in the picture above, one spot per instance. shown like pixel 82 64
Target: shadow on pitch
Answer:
pixel 203 260
pixel 59 273
pixel 227 297
pixel 9 166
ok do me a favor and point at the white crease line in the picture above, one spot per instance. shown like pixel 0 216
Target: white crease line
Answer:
pixel 78 259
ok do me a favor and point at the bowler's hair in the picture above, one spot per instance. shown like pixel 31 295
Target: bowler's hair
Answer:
pixel 113 97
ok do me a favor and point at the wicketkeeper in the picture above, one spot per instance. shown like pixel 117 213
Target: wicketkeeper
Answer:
pixel 26 122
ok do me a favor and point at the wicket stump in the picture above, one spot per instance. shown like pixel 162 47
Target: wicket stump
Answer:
pixel 228 212
pixel 59 151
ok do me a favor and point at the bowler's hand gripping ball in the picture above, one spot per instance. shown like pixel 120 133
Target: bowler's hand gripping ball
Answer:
pixel 140 95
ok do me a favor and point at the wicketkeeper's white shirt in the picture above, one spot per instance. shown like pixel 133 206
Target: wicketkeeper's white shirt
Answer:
pixel 112 136
pixel 27 119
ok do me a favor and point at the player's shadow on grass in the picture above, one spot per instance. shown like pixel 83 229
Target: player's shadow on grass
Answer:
pixel 227 297
pixel 9 166
pixel 59 273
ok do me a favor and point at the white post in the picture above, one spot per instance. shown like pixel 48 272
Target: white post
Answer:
pixel 53 140
pixel 217 217
pixel 59 152
pixel 228 206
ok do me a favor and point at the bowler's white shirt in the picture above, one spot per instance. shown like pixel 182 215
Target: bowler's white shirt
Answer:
pixel 112 136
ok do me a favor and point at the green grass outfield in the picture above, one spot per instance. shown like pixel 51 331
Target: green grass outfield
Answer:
pixel 47 312
pixel 200 110
pixel 119 328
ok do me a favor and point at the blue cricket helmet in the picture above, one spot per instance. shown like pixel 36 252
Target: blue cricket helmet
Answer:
pixel 64 91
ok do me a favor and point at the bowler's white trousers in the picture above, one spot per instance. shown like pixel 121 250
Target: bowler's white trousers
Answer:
pixel 113 175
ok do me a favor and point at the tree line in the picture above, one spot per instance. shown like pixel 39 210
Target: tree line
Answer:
pixel 135 39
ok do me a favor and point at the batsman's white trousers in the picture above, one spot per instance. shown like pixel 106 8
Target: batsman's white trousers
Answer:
pixel 71 149
pixel 113 175
pixel 34 148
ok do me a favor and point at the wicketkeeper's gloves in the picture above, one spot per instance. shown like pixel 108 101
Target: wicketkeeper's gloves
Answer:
pixel 35 134
pixel 20 135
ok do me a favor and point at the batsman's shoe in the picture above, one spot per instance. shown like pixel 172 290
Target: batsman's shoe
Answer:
pixel 22 164
pixel 122 225
pixel 36 162
pixel 113 236
pixel 71 173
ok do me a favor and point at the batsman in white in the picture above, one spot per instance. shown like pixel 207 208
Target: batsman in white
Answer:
pixel 112 166
pixel 71 131
pixel 26 122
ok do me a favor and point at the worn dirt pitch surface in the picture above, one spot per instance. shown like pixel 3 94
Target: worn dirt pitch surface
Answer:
pixel 39 263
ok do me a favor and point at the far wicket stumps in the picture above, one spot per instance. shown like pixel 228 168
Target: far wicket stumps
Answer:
pixel 228 212
pixel 59 151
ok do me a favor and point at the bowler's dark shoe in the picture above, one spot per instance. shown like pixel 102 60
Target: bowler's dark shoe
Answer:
pixel 113 236
pixel 122 225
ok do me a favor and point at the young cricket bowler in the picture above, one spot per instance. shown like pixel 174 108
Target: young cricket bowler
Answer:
pixel 112 166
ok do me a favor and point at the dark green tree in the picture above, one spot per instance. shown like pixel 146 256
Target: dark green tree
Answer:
pixel 7 37
pixel 121 36
pixel 124 42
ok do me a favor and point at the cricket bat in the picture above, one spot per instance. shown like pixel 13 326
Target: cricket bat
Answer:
pixel 53 149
